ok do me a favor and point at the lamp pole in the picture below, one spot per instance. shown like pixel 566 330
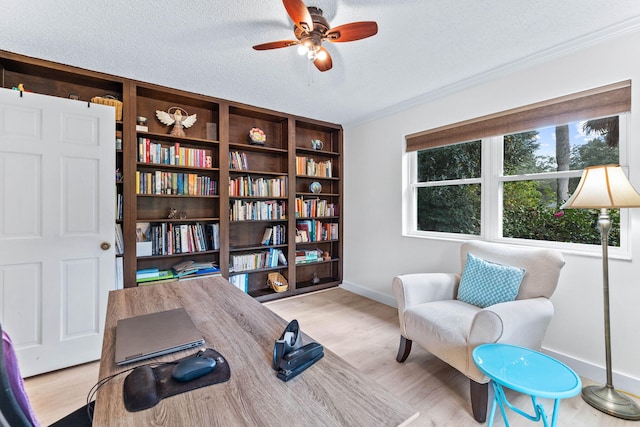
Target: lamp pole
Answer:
pixel 606 398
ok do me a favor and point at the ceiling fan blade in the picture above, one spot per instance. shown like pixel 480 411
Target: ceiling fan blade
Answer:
pixel 276 45
pixel 352 31
pixel 299 14
pixel 323 64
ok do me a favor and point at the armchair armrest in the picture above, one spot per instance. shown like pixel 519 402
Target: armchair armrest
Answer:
pixel 520 322
pixel 418 288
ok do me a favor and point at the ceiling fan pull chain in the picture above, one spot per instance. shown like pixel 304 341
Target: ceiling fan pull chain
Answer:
pixel 309 73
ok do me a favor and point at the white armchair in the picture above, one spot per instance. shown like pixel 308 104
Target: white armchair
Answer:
pixel 450 329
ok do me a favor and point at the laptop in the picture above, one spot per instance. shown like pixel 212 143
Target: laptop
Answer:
pixel 151 335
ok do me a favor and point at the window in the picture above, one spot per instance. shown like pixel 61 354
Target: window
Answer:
pixel 449 194
pixel 511 185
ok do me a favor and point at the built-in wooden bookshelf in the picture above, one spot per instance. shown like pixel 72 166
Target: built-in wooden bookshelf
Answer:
pixel 176 180
pixel 214 180
pixel 318 204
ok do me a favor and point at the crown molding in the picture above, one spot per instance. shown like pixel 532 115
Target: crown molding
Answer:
pixel 616 31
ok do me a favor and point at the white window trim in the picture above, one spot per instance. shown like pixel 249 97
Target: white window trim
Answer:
pixel 491 203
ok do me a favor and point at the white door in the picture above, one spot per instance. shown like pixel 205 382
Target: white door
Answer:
pixel 57 163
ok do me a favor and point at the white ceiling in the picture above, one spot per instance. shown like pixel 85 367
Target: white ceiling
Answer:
pixel 423 47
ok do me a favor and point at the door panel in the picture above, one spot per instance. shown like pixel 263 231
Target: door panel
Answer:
pixel 21 293
pixel 80 202
pixel 20 213
pixel 80 285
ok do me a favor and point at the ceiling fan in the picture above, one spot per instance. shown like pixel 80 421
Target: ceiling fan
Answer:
pixel 311 29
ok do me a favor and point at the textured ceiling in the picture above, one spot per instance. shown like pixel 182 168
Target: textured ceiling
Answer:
pixel 422 47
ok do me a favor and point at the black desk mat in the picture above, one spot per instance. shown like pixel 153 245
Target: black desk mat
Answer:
pixel 145 386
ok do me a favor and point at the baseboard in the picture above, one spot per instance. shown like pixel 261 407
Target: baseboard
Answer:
pixel 369 293
pixel 621 382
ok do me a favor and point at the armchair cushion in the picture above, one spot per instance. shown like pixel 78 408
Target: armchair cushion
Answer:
pixel 485 283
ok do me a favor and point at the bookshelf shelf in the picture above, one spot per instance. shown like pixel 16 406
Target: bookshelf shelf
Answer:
pixel 254 247
pixel 312 152
pixel 180 255
pixel 172 138
pixel 160 166
pixel 255 172
pixel 328 178
pixel 182 220
pixel 254 221
pixel 178 196
pixel 317 241
pixel 257 149
pixel 220 132
pixel 257 270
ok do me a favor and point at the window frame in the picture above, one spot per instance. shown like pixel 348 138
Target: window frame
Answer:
pixel 491 183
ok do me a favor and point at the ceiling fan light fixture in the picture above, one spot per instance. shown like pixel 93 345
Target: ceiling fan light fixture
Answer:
pixel 321 55
pixel 311 29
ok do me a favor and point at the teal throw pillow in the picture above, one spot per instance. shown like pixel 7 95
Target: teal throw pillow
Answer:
pixel 485 283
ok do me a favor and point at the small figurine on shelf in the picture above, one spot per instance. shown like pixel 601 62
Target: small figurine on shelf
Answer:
pixel 316 144
pixel 326 256
pixel 315 280
pixel 172 213
pixel 176 119
pixel 257 136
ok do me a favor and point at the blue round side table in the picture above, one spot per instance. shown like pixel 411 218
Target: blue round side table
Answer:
pixel 526 371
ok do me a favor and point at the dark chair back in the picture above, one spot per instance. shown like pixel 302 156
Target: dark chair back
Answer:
pixel 11 413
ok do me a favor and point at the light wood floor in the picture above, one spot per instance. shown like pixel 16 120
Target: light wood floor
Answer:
pixel 365 333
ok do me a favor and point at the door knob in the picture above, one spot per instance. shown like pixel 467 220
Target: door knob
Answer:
pixel 105 246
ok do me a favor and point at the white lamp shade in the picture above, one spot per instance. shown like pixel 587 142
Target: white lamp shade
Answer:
pixel 603 186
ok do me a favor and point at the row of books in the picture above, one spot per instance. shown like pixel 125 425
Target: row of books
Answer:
pixel 240 281
pixel 246 186
pixel 276 235
pixel 160 182
pixel 238 161
pixel 151 152
pixel 309 166
pixel 315 207
pixel 257 260
pixel 315 231
pixel 269 210
pixel 169 238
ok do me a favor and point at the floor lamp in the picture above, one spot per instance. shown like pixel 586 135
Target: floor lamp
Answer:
pixel 606 187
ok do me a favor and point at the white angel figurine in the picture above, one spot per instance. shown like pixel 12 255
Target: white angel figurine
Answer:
pixel 176 119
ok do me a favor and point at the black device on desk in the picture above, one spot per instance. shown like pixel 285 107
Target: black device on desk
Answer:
pixel 146 385
pixel 290 357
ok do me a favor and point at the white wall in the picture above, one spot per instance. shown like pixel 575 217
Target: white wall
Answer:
pixel 376 251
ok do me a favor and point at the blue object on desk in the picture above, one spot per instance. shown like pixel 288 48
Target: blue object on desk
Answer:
pixel 526 371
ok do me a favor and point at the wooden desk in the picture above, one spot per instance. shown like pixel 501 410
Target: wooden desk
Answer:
pixel 329 393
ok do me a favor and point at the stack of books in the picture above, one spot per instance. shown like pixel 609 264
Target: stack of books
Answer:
pixel 192 268
pixel 154 275
pixel 305 257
